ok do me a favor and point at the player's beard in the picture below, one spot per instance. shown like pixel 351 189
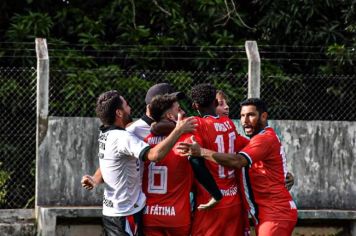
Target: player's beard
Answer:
pixel 127 118
pixel 258 127
pixel 255 128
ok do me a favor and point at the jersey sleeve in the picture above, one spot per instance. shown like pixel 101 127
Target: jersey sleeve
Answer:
pixel 257 149
pixel 240 142
pixel 136 146
pixel 199 131
pixel 197 134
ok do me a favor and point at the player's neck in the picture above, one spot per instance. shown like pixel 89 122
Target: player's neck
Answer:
pixel 207 112
pixel 119 123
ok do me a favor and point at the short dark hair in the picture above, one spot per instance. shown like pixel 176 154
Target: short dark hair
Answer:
pixel 260 105
pixel 203 94
pixel 160 104
pixel 106 106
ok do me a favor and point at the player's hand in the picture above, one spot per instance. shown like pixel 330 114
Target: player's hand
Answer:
pixel 208 205
pixel 189 149
pixel 186 125
pixel 289 181
pixel 88 182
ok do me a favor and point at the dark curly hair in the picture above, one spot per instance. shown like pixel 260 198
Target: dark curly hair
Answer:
pixel 203 94
pixel 106 106
pixel 260 105
pixel 160 104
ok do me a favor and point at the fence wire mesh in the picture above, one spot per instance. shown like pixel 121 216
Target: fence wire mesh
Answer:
pixel 73 93
pixel 310 97
pixel 18 137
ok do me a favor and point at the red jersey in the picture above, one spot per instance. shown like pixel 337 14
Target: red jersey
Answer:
pixel 219 134
pixel 264 178
pixel 167 185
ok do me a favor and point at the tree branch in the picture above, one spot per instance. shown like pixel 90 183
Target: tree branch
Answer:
pixel 133 13
pixel 161 8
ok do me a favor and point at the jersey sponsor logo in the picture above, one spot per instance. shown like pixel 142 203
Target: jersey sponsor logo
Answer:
pixel 160 210
pixel 222 127
pixel 103 136
pixel 155 140
pixel 101 145
pixel 108 202
pixel 229 192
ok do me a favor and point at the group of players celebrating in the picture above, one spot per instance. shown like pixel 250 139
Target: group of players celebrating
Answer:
pixel 152 166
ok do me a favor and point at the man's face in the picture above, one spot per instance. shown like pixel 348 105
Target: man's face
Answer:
pixel 251 121
pixel 222 108
pixel 126 111
pixel 172 113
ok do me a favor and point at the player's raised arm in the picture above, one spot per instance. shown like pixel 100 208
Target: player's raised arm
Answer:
pixel 163 127
pixel 160 150
pixel 204 177
pixel 224 159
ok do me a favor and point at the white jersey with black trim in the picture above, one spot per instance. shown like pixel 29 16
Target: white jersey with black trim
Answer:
pixel 141 127
pixel 119 158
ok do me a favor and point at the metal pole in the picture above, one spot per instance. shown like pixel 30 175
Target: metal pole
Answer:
pixel 254 69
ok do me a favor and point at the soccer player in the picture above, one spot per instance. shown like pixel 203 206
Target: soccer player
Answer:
pixel 222 109
pixel 167 183
pixel 120 155
pixel 217 133
pixel 263 163
pixel 140 128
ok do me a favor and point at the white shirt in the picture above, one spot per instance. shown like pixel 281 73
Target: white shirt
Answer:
pixel 141 127
pixel 119 158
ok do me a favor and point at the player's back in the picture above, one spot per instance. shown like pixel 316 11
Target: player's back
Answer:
pixel 226 218
pixel 167 185
pixel 219 134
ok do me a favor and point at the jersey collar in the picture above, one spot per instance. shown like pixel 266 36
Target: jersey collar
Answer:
pixel 264 130
pixel 215 117
pixel 147 119
pixel 104 128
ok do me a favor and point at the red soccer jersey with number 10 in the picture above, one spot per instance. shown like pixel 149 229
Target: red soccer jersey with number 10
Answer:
pixel 264 179
pixel 219 134
pixel 167 185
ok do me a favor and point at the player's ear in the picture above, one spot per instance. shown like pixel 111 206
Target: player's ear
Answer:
pixel 264 116
pixel 118 113
pixel 148 109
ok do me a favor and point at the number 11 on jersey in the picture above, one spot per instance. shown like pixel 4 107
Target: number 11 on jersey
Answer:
pixel 231 149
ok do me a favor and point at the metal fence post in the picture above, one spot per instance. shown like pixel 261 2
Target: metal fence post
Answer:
pixel 42 101
pixel 254 69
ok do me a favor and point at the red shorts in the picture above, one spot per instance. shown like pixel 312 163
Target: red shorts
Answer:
pixel 275 228
pixel 166 231
pixel 221 221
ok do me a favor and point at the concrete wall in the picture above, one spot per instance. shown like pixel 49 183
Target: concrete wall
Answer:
pixel 68 151
pixel 17 222
pixel 321 155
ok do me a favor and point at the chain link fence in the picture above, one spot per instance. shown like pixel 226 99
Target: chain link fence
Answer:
pixel 74 92
pixel 18 137
pixel 310 97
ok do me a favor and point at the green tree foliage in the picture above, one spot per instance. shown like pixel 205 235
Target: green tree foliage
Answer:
pixel 182 35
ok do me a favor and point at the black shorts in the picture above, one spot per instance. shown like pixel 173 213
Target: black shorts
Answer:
pixel 116 225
